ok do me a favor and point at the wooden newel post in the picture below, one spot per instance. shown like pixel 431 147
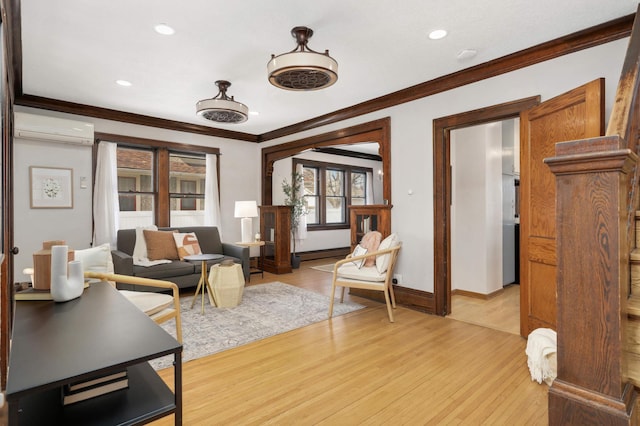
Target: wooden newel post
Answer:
pixel 592 182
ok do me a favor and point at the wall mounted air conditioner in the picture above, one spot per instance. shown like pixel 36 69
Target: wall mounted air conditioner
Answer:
pixel 52 129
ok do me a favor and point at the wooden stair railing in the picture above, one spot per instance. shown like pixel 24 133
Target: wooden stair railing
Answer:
pixel 598 284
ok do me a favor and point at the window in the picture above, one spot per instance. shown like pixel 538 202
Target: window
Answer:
pixel 358 188
pixel 135 190
pixel 328 191
pixel 186 189
pixel 160 185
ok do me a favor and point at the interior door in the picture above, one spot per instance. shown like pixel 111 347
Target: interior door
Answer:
pixel 577 114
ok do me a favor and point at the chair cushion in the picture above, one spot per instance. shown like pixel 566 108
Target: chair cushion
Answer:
pixel 371 241
pixel 382 260
pixel 186 244
pixel 160 245
pixel 149 303
pixel 365 273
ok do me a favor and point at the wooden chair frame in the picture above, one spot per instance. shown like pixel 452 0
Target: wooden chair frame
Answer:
pixel 160 317
pixel 385 286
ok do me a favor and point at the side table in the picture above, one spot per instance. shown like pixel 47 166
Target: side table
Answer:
pixel 258 268
pixel 203 283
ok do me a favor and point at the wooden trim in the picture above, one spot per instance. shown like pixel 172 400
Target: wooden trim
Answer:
pixel 161 170
pixel 156 143
pixel 352 154
pixel 374 131
pixel 128 117
pixel 324 254
pixel 590 37
pixel 11 50
pixel 481 296
pixel 442 187
pixel 584 39
pixel 408 297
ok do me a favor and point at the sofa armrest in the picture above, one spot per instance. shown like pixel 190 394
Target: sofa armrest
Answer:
pixel 122 263
pixel 241 253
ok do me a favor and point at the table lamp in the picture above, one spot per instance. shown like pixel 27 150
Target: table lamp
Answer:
pixel 246 210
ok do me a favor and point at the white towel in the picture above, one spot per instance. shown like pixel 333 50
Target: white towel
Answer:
pixel 541 352
pixel 140 249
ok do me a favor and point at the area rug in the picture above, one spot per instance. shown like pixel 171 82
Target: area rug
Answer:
pixel 325 268
pixel 265 310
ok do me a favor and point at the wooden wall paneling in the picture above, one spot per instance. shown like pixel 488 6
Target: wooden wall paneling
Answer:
pixel 592 289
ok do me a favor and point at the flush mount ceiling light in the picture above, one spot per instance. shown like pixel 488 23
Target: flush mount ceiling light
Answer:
pixel 302 68
pixel 221 108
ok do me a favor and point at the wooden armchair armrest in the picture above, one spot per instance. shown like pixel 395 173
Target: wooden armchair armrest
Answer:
pixel 168 285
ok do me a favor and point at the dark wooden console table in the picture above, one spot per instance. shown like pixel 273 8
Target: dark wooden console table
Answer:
pixel 54 344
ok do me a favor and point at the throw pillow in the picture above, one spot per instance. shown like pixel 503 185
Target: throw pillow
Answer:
pixel 382 260
pixel 186 244
pixel 96 259
pixel 160 245
pixel 371 241
pixel 359 251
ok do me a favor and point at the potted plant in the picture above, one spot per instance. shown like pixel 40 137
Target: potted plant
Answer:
pixel 294 198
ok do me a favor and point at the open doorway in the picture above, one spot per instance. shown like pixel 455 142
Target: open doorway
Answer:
pixel 484 224
pixel 442 186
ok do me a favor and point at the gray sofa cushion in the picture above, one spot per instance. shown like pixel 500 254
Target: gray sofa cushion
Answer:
pixel 165 270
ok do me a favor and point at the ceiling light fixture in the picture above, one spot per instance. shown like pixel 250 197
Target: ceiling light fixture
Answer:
pixel 302 68
pixel 123 83
pixel 221 108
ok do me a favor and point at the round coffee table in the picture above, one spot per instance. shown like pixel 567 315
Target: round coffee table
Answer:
pixel 203 283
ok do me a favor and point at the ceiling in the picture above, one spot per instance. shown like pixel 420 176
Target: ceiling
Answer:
pixel 75 50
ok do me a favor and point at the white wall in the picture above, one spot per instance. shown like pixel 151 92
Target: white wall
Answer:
pixel 476 209
pixel 33 226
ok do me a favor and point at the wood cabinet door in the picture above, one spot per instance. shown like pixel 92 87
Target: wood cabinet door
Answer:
pixel 577 114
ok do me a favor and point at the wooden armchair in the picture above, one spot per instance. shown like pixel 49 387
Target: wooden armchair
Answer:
pixel 347 274
pixel 160 307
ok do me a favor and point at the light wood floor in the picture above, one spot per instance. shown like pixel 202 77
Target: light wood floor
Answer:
pixel 501 312
pixel 361 369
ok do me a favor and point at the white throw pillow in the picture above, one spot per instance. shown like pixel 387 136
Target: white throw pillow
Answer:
pixel 359 251
pixel 382 260
pixel 96 259
pixel 186 244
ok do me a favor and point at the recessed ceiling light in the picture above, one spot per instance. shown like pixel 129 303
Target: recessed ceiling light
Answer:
pixel 164 29
pixel 124 83
pixel 437 34
pixel 254 113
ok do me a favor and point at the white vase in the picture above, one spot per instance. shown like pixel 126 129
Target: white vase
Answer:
pixel 63 287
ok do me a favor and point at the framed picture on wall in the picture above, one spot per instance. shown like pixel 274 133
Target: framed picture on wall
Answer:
pixel 51 187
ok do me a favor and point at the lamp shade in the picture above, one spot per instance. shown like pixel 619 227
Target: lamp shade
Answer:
pixel 246 209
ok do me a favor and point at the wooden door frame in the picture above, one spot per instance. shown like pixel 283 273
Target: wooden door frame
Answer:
pixel 442 128
pixel 373 131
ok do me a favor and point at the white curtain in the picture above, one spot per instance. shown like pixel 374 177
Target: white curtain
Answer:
pixel 301 232
pixel 106 207
pixel 211 195
pixel 369 198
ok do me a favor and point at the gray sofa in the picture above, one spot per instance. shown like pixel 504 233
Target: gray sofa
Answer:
pixel 184 274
